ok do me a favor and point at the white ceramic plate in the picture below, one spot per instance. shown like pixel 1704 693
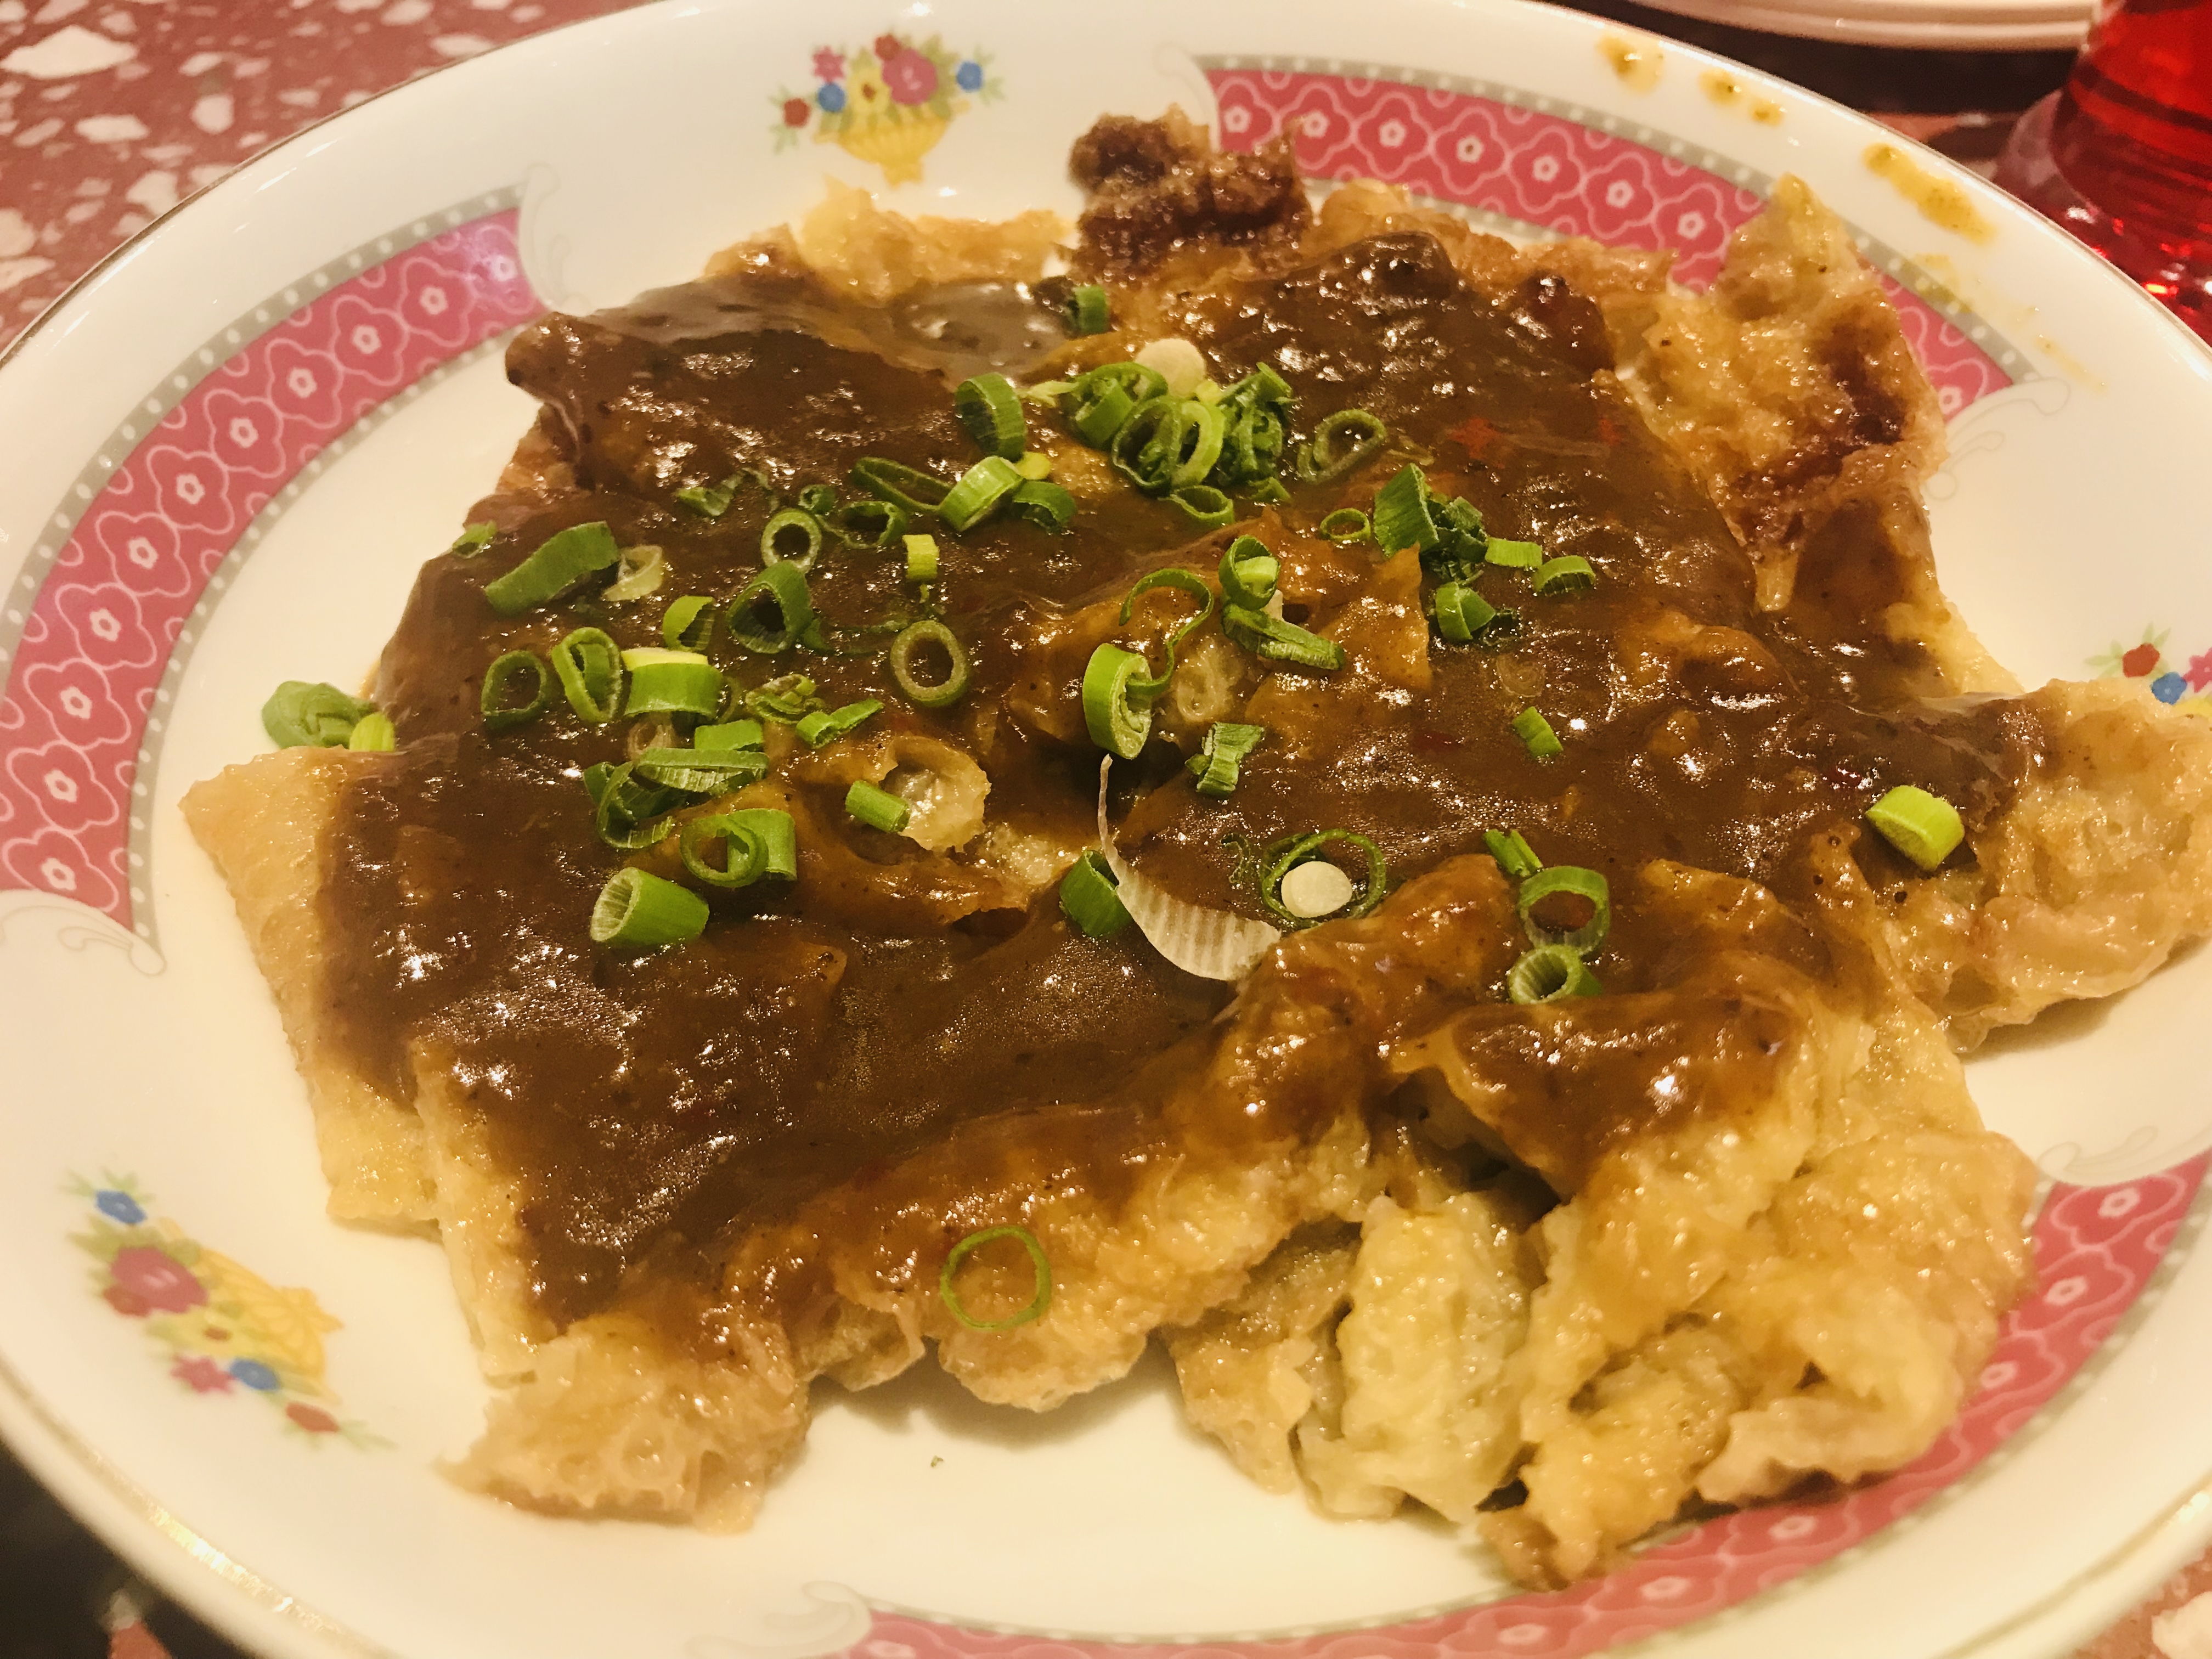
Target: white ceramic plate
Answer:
pixel 1950 25
pixel 230 448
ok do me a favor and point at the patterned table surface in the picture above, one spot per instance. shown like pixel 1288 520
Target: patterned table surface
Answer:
pixel 110 113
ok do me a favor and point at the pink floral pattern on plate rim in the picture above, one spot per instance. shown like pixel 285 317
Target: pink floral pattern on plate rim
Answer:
pixel 97 632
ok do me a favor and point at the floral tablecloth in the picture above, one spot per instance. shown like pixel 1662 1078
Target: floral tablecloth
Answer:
pixel 112 113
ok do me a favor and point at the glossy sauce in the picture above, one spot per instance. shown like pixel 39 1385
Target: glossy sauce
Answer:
pixel 657 1106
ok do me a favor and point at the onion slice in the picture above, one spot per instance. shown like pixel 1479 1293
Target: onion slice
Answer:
pixel 1210 943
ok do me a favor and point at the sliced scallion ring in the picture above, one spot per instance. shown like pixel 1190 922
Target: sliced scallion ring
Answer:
pixel 1101 400
pixel 1087 897
pixel 781 587
pixel 643 569
pixel 827 725
pixel 1536 734
pixel 638 910
pixel 1302 848
pixel 373 734
pixel 1579 883
pixel 1565 574
pixel 1925 828
pixel 1277 641
pixel 310 714
pixel 701 772
pixel 1247 573
pixel 989 411
pixel 1402 518
pixel 474 539
pixel 877 808
pixel 688 624
pixel 1086 312
pixel 744 856
pixel 892 481
pixel 1341 443
pixel 1218 765
pixel 1512 556
pixel 922 558
pixel 1461 613
pixel 496 700
pixel 926 694
pixel 1551 973
pixel 1204 505
pixel 590 667
pixel 1038 1266
pixel 818 499
pixel 868 522
pixel 792 537
pixel 1034 465
pixel 1347 524
pixel 785 698
pixel 978 494
pixel 1271 490
pixel 664 682
pixel 630 816
pixel 1043 503
pixel 1118 720
pixel 1513 854
pixel 1184 582
pixel 730 734
pixel 562 560
pixel 712 500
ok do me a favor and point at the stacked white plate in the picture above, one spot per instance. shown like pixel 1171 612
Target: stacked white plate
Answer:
pixel 1968 24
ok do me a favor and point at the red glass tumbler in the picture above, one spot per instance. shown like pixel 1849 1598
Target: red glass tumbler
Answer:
pixel 2123 156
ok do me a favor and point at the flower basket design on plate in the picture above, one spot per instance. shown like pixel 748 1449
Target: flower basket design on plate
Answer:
pixel 888 102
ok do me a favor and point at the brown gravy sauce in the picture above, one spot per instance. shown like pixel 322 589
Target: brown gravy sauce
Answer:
pixel 654 1106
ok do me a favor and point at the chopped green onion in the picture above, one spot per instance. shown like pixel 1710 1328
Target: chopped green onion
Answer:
pixel 757 842
pixel 1118 720
pixel 562 560
pixel 924 693
pixel 373 734
pixel 473 540
pixel 307 713
pixel 891 481
pixel 978 492
pixel 1578 883
pixel 1187 582
pixel 596 777
pixel 672 682
pixel 1303 848
pixel 1551 973
pixel 732 734
pixel 818 499
pixel 629 815
pixel 1247 573
pixel 850 522
pixel 782 586
pixel 922 558
pixel 1461 613
pixel 1341 443
pixel 1101 400
pixel 1087 897
pixel 643 569
pixel 1347 524
pixel 1513 556
pixel 777 836
pixel 1043 503
pixel 1216 766
pixel 712 500
pixel 1035 465
pixel 494 701
pixel 1402 512
pixel 701 772
pixel 1038 1266
pixel 877 808
pixel 688 624
pixel 1511 850
pixel 785 698
pixel 1205 505
pixel 1277 641
pixel 1086 312
pixel 823 727
pixel 1271 490
pixel 590 664
pixel 638 910
pixel 1168 444
pixel 777 545
pixel 1925 828
pixel 987 408
pixel 1536 734
pixel 1567 574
